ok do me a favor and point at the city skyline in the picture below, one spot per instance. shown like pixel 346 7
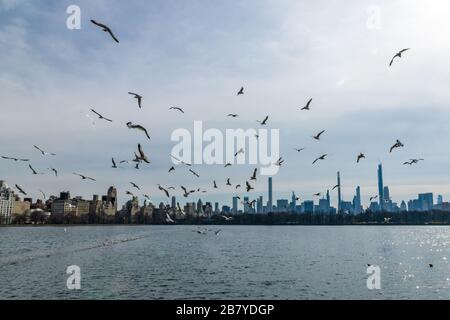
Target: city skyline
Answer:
pixel 198 67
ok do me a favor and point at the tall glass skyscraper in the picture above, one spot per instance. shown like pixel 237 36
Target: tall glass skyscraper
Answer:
pixel 380 187
pixel 270 203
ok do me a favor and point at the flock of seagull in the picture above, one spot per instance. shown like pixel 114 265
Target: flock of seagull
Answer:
pixel 140 156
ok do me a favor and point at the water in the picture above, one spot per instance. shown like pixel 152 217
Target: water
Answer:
pixel 242 262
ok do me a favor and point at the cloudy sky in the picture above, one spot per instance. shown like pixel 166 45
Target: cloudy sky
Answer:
pixel 196 54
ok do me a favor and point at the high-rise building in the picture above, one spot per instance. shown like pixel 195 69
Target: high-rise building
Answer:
pixel 357 209
pixel 282 205
pixel 174 202
pixel 6 203
pixel 246 205
pixel 293 202
pixel 339 192
pixel 235 205
pixel 426 201
pixel 308 207
pixel 380 187
pixel 439 199
pixel 259 205
pixel 270 203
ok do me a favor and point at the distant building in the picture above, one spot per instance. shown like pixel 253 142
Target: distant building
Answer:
pixel 308 206
pixel 426 201
pixel 380 187
pixel 6 203
pixel 270 202
pixel 282 205
pixel 235 205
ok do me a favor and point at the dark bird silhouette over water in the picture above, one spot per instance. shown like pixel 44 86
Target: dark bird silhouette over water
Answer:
pixel 177 108
pixel 44 153
pixel 21 190
pixel 233 115
pixel 241 91
pixel 397 144
pixel 299 149
pixel 54 171
pixel 113 163
pixel 164 190
pixel 253 177
pixel 32 170
pixel 15 159
pixel 138 97
pixel 306 107
pixel 398 55
pixel 360 156
pixel 228 182
pixel 100 116
pixel 373 198
pixel 172 169
pixel 317 194
pixel 317 136
pixel 215 184
pixel 105 29
pixel 322 157
pixel 227 165
pixel 84 177
pixel 130 125
pixel 135 186
pixel 413 161
pixel 248 186
pixel 194 173
pixel 336 186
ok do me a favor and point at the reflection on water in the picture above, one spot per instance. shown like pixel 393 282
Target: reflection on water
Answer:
pixel 239 262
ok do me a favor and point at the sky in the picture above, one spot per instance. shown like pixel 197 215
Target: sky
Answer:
pixel 196 55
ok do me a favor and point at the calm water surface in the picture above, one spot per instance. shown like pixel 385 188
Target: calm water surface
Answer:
pixel 242 262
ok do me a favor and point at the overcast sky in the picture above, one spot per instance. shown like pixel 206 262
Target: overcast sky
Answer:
pixel 196 55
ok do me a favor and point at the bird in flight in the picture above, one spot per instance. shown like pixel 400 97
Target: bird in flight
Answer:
pixel 84 177
pixel 241 91
pixel 306 107
pixel 130 125
pixel 253 177
pixel 194 173
pixel 146 196
pixel 138 97
pixel 248 186
pixel 240 151
pixel 21 190
pixel 264 122
pixel 142 155
pixel 336 186
pixel 54 171
pixel 177 108
pixel 43 194
pixel 105 29
pixel 15 159
pixel 113 163
pixel 413 161
pixel 397 144
pixel 33 171
pixel 227 218
pixel 373 198
pixel 44 153
pixel 164 190
pixel 398 55
pixel 360 156
pixel 135 186
pixel 215 184
pixel 317 194
pixel 233 115
pixel 129 193
pixel 279 162
pixel 187 164
pixel 100 116
pixel 299 149
pixel 317 136
pixel 186 193
pixel 171 169
pixel 387 220
pixel 322 157
pixel 227 165
pixel 238 186
pixel 228 182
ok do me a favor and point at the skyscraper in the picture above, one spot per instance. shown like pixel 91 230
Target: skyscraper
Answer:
pixel 339 191
pixel 235 205
pixel 270 203
pixel 380 187
pixel 357 201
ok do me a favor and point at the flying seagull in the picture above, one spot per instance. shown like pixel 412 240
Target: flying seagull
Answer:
pixel 373 198
pixel 227 218
pixel 215 184
pixel 113 163
pixel 264 122
pixel 177 108
pixel 194 173
pixel 336 186
pixel 186 193
pixel 398 55
pixel 172 169
pixel 397 144
pixel 227 165
pixel 142 155
pixel 105 29
pixel 233 115
pixel 130 125
pixel 299 149
pixel 138 97
pixel 135 185
pixel 21 190
pixel 317 136
pixel 54 171
pixel 240 151
pixel 188 164
pixel 100 116
pixel 15 159
pixel 360 156
pixel 84 177
pixel 279 162
pixel 238 186
pixel 164 190
pixel 241 91
pixel 43 194
pixel 317 194
pixel 129 193
pixel 322 157
pixel 32 170
pixel 248 186
pixel 44 153
pixel 228 182
pixel 253 177
pixel 307 105
pixel 146 196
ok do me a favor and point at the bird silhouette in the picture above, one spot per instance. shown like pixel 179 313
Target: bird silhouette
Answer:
pixel 164 190
pixel 317 136
pixel 44 153
pixel 248 186
pixel 241 91
pixel 306 107
pixel 142 155
pixel 135 186
pixel 15 159
pixel 177 108
pixel 138 97
pixel 264 122
pixel 130 125
pixel 100 116
pixel 83 177
pixel 398 55
pixel 21 190
pixel 113 163
pixel 253 177
pixel 299 149
pixel 397 144
pixel 105 29
pixel 360 156
pixel 322 157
